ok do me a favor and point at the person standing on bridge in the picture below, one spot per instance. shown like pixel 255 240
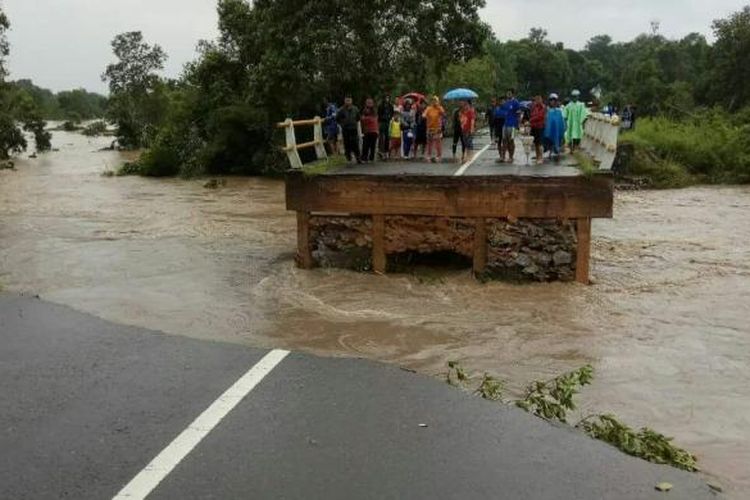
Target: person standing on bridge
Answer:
pixel 498 122
pixel 370 128
pixel 420 139
pixel 394 135
pixel 385 113
pixel 467 117
pixel 511 109
pixel 408 118
pixel 348 118
pixel 537 119
pixel 457 135
pixel 554 127
pixel 331 128
pixel 575 114
pixel 490 117
pixel 433 116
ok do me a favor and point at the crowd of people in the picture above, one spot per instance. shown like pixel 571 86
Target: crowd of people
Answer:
pixel 409 129
pixel 414 126
pixel 550 124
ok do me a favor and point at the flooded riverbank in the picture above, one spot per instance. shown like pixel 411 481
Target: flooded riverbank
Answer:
pixel 665 325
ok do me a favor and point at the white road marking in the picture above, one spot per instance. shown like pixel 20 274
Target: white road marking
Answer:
pixel 150 477
pixel 469 163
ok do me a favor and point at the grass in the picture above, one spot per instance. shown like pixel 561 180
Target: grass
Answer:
pixel 585 163
pixel 321 167
pixel 709 146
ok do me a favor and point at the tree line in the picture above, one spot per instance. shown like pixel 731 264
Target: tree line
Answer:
pixel 72 105
pixel 279 58
pixel 274 59
pixel 24 107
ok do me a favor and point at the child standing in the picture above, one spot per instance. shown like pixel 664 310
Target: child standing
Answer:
pixel 394 132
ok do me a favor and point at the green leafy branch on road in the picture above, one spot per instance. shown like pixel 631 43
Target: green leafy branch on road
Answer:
pixel 553 399
pixel 646 443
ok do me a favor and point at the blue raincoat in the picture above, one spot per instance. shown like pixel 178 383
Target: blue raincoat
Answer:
pixel 554 129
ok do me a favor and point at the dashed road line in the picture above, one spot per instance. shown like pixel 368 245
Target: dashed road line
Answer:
pixel 160 467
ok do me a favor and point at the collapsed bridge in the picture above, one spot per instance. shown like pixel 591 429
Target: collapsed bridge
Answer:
pixel 518 221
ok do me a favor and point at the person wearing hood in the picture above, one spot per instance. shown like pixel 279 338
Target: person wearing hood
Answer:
pixel 575 114
pixel 554 127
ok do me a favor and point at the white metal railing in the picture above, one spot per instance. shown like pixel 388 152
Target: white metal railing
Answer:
pixel 600 136
pixel 292 148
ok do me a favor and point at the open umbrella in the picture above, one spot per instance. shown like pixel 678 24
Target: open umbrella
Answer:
pixel 460 94
pixel 414 96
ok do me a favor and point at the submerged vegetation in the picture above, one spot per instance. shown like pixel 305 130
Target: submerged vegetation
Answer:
pixel 554 399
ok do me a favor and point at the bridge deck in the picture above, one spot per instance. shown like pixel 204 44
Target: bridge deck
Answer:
pixel 484 164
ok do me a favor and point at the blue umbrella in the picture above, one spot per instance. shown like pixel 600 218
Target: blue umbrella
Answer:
pixel 460 94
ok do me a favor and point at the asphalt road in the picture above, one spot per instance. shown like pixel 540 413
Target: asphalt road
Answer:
pixel 85 405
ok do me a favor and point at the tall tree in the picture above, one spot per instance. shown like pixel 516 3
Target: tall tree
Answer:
pixel 137 95
pixel 17 106
pixel 732 58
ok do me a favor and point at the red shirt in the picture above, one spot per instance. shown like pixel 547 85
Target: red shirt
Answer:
pixel 369 123
pixel 538 113
pixel 467 116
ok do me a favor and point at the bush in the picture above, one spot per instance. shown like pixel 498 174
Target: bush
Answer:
pixel 240 141
pixel 69 126
pixel 710 146
pixel 659 173
pixel 129 168
pixel 94 129
pixel 176 149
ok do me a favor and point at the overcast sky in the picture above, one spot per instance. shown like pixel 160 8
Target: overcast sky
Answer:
pixel 64 44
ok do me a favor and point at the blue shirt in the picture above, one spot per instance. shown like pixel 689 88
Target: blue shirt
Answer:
pixel 330 120
pixel 510 110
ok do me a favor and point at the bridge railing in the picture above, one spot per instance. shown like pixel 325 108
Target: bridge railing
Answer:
pixel 292 148
pixel 600 136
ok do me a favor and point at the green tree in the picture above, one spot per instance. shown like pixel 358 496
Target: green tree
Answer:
pixel 280 58
pixel 17 105
pixel 80 103
pixel 541 66
pixel 11 138
pixel 137 95
pixel 731 55
pixel 44 99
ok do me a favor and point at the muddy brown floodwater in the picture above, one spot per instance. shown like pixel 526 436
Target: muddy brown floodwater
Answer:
pixel 666 324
